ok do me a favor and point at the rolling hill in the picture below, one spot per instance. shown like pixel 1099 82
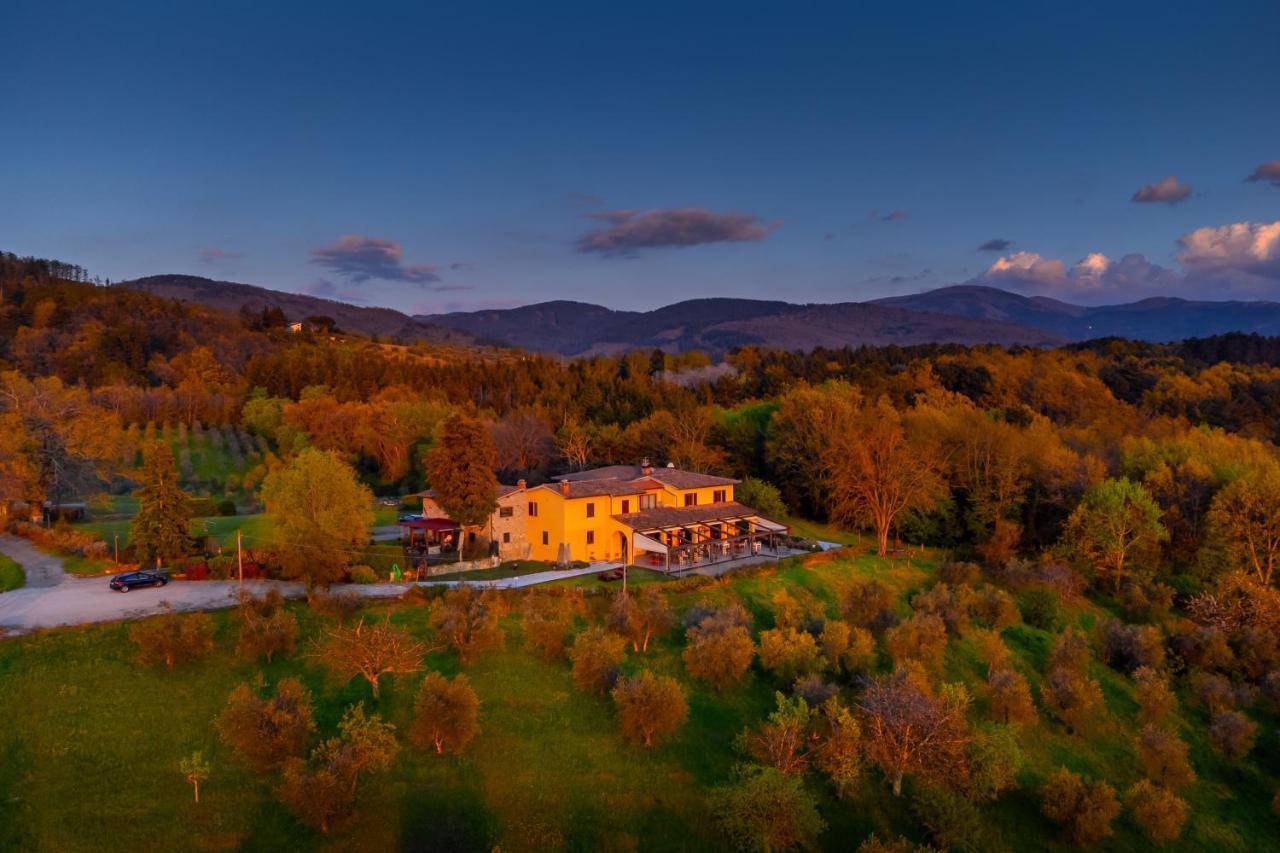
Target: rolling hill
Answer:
pixel 576 328
pixel 962 314
pixel 1156 319
pixel 231 296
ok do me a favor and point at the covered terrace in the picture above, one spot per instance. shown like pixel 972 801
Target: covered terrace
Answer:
pixel 675 539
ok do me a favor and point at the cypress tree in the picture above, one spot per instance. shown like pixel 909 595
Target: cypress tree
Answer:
pixel 460 468
pixel 159 530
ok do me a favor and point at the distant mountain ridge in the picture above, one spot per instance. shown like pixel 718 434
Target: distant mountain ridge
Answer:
pixel 231 296
pixel 1158 318
pixel 961 314
pixel 719 324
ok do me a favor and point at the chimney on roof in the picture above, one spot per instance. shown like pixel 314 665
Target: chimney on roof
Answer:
pixel 564 487
pixel 645 468
pixel 520 484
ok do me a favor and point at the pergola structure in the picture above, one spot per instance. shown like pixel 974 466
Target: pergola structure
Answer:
pixel 421 535
pixel 678 538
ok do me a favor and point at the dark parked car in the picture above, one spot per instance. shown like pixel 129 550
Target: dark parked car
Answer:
pixel 411 517
pixel 127 581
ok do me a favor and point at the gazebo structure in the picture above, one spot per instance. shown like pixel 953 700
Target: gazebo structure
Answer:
pixel 678 538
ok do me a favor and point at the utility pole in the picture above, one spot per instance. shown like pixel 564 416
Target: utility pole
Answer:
pixel 239 560
pixel 116 537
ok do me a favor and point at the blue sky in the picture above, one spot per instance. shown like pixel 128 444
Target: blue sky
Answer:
pixel 455 156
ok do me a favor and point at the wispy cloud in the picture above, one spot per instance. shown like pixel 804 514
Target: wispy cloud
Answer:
pixel 1269 172
pixel 214 255
pixel 628 231
pixel 361 259
pixel 1167 190
pixel 996 245
pixel 890 216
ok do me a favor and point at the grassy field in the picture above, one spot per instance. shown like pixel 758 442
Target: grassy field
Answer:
pixel 220 533
pixel 11 574
pixel 89 758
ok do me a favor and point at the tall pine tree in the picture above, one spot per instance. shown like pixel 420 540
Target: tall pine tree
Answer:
pixel 159 531
pixel 460 468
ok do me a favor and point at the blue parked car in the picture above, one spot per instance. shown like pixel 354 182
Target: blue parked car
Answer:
pixel 127 581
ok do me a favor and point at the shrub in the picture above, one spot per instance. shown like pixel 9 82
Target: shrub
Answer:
pixel 764 810
pixel 953 822
pixel 223 567
pixel 323 792
pixel 852 650
pixel 1216 693
pixel 226 508
pixel 597 655
pixel 783 740
pixel 789 653
pixel 1147 603
pixel 266 627
pixel 813 690
pixel 922 638
pixel 468 621
pixel 1010 698
pixel 650 708
pixel 995 609
pixel 1039 608
pixel 994 759
pixel 1071 697
pixel 1155 700
pixel 1163 756
pixel 955 573
pixel 991 649
pixel 719 651
pixel 1231 734
pixel 1160 812
pixel 445 714
pixel 546 619
pixel 1128 647
pixel 266 732
pixel 761 496
pixel 797 608
pixel 948 603
pixel 1084 809
pixel 640 618
pixel 173 639
pixel 862 604
pixel 362 574
pixel 839 750
pixel 334 605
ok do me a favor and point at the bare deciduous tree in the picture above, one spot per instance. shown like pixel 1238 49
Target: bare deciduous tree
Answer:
pixel 369 650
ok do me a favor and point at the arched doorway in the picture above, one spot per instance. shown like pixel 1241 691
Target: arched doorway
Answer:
pixel 624 547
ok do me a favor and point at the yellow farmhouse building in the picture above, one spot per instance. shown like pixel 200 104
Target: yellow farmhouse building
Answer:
pixel 664 518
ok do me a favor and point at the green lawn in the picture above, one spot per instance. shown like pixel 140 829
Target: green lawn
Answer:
pixel 11 574
pixel 548 772
pixel 806 529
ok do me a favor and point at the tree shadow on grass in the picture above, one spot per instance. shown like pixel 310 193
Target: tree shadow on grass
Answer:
pixel 458 822
pixel 15 833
